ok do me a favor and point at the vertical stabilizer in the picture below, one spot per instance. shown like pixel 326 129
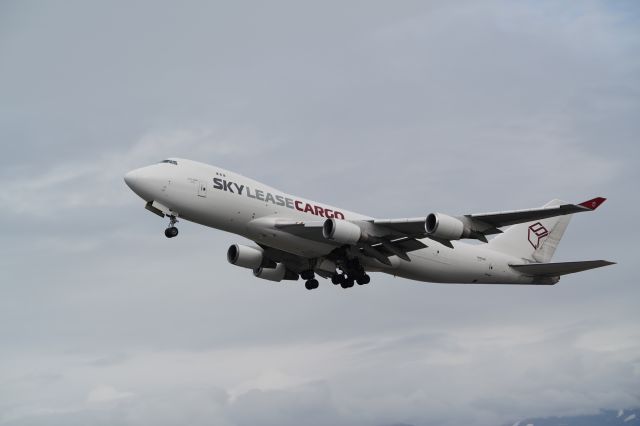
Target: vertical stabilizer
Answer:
pixel 534 241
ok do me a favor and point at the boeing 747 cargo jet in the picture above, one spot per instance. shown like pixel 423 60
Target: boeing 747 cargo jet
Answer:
pixel 298 238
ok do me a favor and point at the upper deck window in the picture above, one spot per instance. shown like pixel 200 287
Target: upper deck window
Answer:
pixel 174 162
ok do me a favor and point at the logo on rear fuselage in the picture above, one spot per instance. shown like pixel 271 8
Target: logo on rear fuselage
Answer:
pixel 537 232
pixel 278 200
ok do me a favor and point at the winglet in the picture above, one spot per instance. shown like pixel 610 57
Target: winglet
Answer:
pixel 593 203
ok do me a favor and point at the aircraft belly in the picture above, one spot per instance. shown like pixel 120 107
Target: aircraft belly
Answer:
pixel 463 265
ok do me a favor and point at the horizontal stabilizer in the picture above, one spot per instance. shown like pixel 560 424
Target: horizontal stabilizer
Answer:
pixel 560 268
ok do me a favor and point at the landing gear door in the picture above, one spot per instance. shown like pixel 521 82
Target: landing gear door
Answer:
pixel 202 188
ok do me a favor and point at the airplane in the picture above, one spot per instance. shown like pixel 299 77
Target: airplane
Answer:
pixel 299 238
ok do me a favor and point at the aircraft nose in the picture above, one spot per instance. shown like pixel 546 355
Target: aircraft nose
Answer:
pixel 143 182
pixel 133 178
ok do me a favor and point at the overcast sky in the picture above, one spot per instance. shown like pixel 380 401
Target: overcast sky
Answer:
pixel 390 109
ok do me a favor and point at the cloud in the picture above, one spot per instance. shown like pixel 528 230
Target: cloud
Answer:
pixel 453 379
pixel 97 182
pixel 105 393
pixel 389 110
pixel 267 380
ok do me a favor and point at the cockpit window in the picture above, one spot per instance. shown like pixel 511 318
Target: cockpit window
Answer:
pixel 175 163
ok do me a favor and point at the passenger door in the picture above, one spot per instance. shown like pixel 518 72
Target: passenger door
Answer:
pixel 202 188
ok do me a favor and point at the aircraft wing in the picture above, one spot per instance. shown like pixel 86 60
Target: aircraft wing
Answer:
pixel 311 230
pixel 403 227
pixel 380 248
pixel 500 219
pixel 382 238
pixel 481 224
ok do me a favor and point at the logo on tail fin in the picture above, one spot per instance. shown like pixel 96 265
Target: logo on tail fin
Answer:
pixel 537 232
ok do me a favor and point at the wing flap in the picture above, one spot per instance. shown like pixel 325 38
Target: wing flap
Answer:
pixel 399 247
pixel 559 268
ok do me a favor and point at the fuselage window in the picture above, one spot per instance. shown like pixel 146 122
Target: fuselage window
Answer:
pixel 174 162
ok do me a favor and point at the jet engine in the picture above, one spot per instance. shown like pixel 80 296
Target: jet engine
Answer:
pixel 279 273
pixel 341 231
pixel 445 227
pixel 246 257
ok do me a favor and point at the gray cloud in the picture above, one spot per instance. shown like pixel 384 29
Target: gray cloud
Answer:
pixel 473 375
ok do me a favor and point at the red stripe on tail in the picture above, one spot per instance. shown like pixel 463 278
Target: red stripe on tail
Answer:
pixel 593 203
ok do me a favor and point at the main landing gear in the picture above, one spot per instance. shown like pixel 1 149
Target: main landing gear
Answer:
pixel 348 280
pixel 171 230
pixel 311 282
pixel 351 272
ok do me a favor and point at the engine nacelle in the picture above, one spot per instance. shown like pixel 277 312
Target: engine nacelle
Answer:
pixel 278 273
pixel 445 227
pixel 246 257
pixel 341 231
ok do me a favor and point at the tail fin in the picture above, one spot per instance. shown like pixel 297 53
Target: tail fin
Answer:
pixel 534 241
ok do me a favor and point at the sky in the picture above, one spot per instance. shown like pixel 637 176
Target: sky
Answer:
pixel 391 109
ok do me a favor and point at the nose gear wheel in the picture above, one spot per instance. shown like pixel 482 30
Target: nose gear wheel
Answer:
pixel 171 230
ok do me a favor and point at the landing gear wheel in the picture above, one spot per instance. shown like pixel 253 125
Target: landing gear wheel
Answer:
pixel 347 283
pixel 171 232
pixel 307 275
pixel 311 284
pixel 364 279
pixel 336 278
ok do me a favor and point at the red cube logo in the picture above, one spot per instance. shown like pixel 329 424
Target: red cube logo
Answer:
pixel 537 232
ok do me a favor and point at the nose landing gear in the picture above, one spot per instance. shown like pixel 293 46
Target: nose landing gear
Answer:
pixel 171 230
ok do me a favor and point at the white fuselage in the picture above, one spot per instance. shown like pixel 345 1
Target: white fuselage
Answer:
pixel 228 201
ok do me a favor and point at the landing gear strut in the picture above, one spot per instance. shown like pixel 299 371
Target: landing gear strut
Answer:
pixel 171 230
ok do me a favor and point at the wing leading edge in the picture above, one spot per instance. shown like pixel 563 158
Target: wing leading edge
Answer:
pixel 500 219
pixel 481 224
